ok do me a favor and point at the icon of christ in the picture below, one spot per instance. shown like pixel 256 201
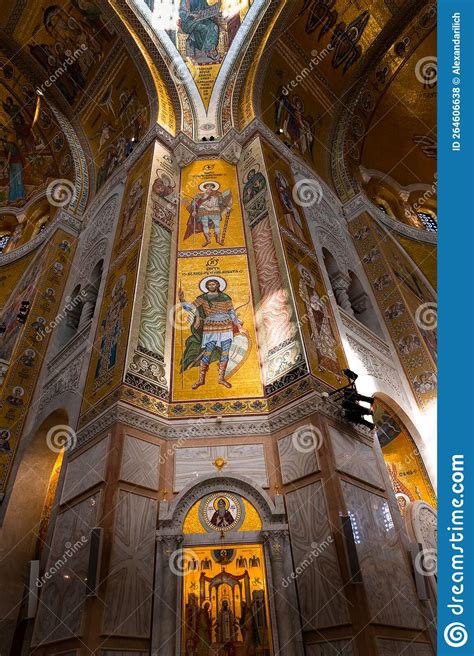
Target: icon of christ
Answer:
pixel 205 212
pixel 215 330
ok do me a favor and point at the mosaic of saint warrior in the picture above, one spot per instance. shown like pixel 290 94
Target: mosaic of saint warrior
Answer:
pixel 206 210
pixel 217 333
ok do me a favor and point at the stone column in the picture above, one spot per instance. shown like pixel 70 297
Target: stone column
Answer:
pixel 88 305
pixel 169 562
pixel 340 285
pixel 283 593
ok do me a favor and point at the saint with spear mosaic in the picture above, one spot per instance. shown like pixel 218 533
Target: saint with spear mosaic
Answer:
pixel 206 212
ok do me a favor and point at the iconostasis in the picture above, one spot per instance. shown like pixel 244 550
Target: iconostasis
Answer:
pixel 225 599
pixel 404 463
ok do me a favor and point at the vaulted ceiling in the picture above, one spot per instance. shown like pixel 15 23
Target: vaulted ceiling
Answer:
pixel 337 80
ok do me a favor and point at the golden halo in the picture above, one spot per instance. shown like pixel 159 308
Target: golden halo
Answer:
pixel 217 499
pixel 215 185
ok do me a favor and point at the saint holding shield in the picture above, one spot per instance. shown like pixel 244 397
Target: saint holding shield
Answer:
pixel 217 333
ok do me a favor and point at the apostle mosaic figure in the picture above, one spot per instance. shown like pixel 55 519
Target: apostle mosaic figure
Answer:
pixel 198 19
pixel 322 334
pixel 112 327
pixel 206 210
pixel 215 324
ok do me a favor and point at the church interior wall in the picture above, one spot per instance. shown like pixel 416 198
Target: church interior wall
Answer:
pixel 174 440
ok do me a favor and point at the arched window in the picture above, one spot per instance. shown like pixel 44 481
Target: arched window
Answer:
pixel 362 305
pixel 72 316
pixel 92 292
pixel 428 221
pixel 74 309
pixel 4 239
pixel 350 295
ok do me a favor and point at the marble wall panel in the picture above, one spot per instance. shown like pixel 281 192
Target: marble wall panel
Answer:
pixel 130 581
pixel 385 570
pixel 63 593
pixel 140 463
pixel 331 648
pixel 319 585
pixel 403 648
pixel 245 459
pixel 85 471
pixel 123 653
pixel 295 462
pixel 355 458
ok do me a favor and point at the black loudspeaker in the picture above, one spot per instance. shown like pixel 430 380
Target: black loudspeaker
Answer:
pixel 93 569
pixel 33 589
pixel 351 549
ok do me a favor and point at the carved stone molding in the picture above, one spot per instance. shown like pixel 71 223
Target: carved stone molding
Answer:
pixel 73 346
pixel 183 155
pixel 422 525
pixel 378 368
pixel 232 153
pixel 66 380
pixel 167 429
pixel 356 327
pixel 355 206
pixel 174 516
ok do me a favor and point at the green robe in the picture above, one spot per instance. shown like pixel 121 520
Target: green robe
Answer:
pixel 203 34
pixel 193 346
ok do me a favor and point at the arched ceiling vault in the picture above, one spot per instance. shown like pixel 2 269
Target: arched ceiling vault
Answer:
pixel 206 86
pixel 85 62
pixel 320 74
pixel 321 80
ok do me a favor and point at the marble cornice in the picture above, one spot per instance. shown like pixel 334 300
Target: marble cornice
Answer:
pixel 195 428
